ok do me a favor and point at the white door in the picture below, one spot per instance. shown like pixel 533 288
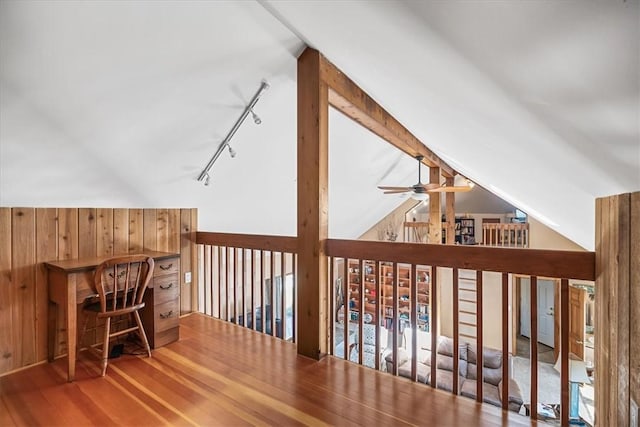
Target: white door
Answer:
pixel 545 310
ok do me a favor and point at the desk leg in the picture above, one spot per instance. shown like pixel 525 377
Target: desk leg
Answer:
pixel 72 335
pixel 51 331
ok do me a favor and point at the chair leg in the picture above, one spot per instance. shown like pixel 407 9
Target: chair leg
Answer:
pixel 105 346
pixel 143 336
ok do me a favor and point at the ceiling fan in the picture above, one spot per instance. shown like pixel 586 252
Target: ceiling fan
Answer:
pixel 421 191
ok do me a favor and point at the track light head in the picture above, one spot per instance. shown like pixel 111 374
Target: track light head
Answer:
pixel 207 178
pixel 232 152
pixel 256 119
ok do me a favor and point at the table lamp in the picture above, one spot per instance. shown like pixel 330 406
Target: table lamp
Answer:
pixel 577 375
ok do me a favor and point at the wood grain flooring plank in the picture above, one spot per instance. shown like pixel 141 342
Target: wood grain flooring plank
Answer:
pixel 222 374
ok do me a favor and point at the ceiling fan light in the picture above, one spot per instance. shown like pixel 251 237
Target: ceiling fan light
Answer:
pixel 419 196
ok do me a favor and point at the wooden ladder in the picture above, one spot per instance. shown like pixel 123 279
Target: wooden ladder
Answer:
pixel 467 298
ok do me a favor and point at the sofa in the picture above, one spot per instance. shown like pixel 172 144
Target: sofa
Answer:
pixel 467 369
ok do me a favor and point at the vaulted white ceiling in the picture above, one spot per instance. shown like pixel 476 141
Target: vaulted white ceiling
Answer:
pixel 123 103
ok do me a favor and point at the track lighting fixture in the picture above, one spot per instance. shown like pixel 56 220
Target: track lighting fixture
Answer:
pixel 204 175
pixel 256 119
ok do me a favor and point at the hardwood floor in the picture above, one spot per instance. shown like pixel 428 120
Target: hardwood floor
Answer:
pixel 220 374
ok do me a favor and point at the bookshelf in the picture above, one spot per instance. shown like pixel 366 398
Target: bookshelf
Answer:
pixel 366 304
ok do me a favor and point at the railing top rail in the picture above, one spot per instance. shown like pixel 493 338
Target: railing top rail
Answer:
pixel 534 262
pixel 248 241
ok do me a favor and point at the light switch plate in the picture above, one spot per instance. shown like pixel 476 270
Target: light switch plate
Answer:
pixel 187 277
pixel 634 414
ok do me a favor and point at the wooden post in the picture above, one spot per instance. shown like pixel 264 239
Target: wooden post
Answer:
pixel 435 210
pixel 450 213
pixel 617 372
pixel 313 127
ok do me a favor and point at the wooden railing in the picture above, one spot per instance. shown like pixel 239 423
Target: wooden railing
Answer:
pixel 381 280
pixel 506 234
pixel 249 278
pixel 388 284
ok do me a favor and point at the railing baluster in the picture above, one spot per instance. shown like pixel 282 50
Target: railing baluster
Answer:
pixel 564 352
pixel 235 284
pixel 243 268
pixel 413 307
pixel 362 311
pixel 272 300
pixel 433 318
pixel 505 341
pixel 347 308
pixel 378 316
pixel 456 332
pixel 332 306
pixel 533 340
pixel 253 290
pixel 479 339
pixel 283 294
pixel 396 320
pixel 219 282
pixel 263 310
pixel 294 263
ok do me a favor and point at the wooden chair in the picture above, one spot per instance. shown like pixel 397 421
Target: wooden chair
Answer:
pixel 120 283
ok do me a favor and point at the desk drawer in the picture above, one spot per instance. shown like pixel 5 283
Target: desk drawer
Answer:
pixel 167 315
pixel 165 288
pixel 166 266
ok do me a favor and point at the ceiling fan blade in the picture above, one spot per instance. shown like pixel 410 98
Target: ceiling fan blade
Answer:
pixel 395 188
pixel 397 191
pixel 452 189
pixel 428 186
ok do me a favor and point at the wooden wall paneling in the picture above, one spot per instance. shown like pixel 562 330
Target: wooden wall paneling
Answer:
pixel 29 237
pixel 185 236
pixel 196 260
pixel 173 230
pixel 120 231
pixel 46 250
pixel 150 230
pixel 162 229
pixel 7 348
pixel 634 298
pixel 87 232
pixel 136 230
pixel 67 249
pixel 104 226
pixel 23 285
pixel 67 233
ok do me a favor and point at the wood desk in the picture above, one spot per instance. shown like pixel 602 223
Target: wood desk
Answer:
pixel 71 282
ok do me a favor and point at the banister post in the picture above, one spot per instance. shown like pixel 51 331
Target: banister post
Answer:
pixel 313 170
pixel 617 364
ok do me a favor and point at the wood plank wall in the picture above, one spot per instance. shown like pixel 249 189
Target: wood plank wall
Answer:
pixel 617 325
pixel 31 236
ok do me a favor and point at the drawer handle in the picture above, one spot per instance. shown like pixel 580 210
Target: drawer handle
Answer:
pixel 167 267
pixel 167 287
pixel 166 315
pixel 120 275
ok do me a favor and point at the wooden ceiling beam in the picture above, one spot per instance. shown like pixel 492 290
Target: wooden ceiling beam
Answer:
pixel 348 98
